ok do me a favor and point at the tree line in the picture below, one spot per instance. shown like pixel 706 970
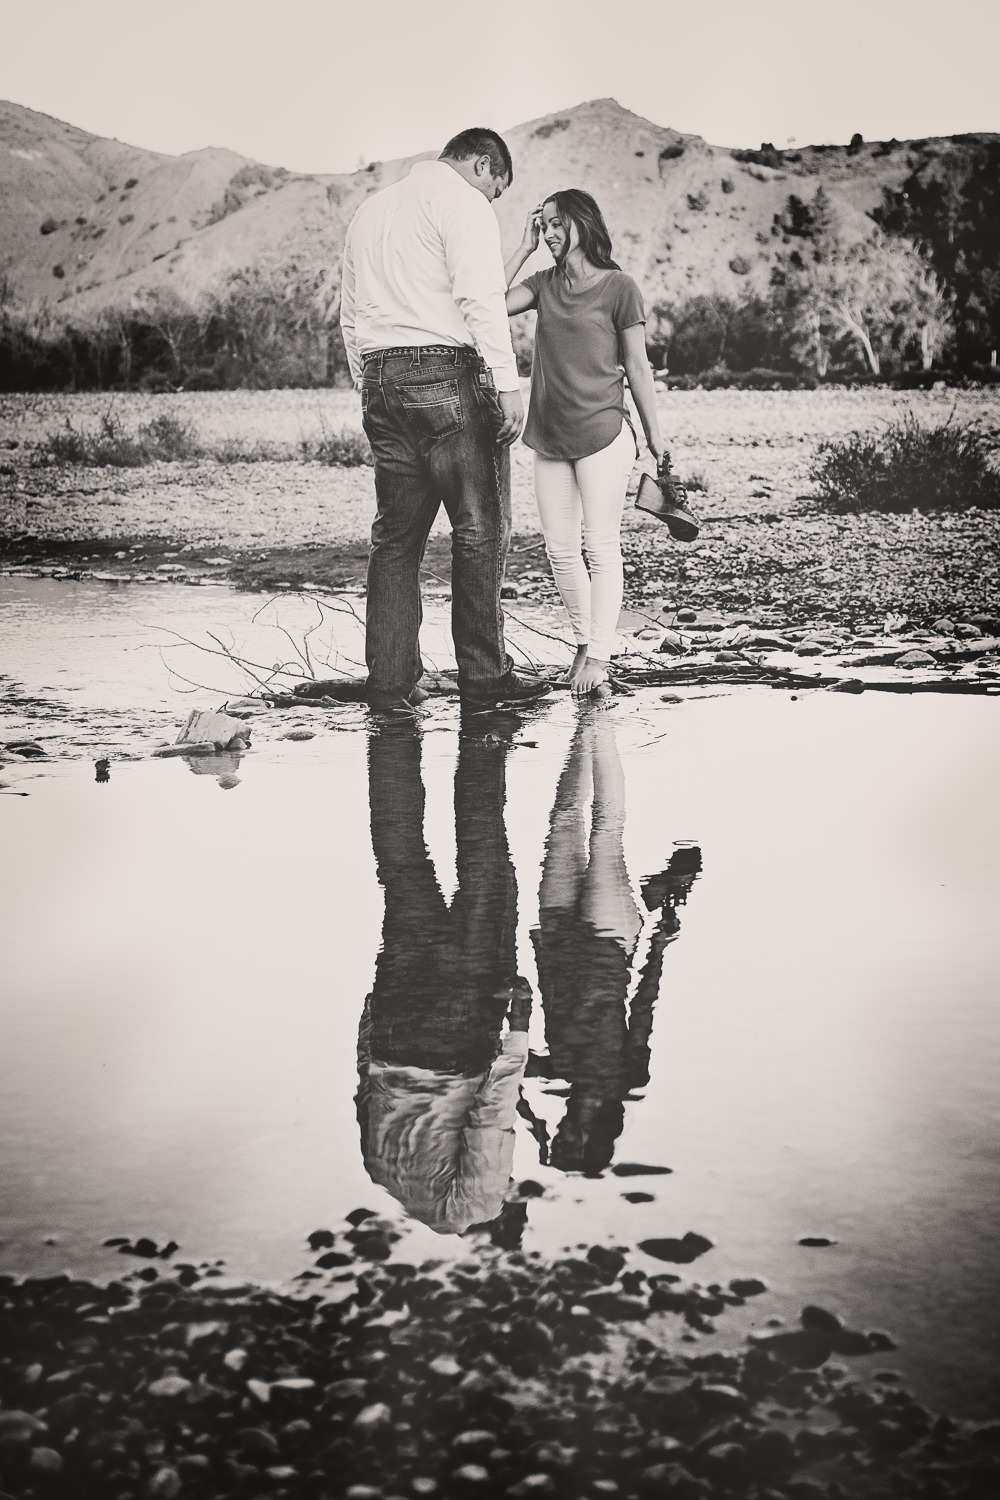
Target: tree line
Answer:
pixel 919 292
pixel 266 328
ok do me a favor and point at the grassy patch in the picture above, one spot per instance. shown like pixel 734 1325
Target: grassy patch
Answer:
pixel 169 439
pixel 696 481
pixel 908 467
pixel 344 448
pixel 164 439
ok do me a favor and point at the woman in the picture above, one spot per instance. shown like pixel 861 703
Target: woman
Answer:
pixel 589 335
pixel 589 928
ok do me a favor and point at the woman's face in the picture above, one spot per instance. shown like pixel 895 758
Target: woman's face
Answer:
pixel 560 237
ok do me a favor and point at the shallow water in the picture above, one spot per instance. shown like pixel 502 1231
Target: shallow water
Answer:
pixel 186 969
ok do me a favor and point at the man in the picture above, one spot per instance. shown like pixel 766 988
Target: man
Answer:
pixel 438 1073
pixel 428 340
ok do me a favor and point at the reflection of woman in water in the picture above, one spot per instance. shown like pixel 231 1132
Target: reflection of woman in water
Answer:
pixel 589 926
pixel 438 1076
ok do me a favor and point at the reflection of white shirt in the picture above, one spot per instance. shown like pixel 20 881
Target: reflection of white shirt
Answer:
pixel 443 1144
pixel 423 265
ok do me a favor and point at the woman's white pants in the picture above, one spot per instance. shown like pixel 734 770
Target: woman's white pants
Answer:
pixel 581 501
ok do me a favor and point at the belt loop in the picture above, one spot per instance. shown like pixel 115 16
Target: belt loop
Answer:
pixel 415 360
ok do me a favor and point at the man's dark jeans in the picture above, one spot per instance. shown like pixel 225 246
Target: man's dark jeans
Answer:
pixel 431 415
pixel 444 977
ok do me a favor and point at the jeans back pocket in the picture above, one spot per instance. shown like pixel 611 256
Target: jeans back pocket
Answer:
pixel 435 410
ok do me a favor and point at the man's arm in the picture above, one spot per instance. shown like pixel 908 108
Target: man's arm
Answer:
pixel 347 312
pixel 474 258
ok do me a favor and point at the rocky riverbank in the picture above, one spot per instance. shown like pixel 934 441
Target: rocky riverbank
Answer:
pixel 502 1374
pixel 275 521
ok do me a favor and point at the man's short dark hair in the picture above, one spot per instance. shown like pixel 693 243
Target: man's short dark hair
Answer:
pixel 482 142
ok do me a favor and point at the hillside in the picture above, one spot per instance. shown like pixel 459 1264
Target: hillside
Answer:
pixel 90 223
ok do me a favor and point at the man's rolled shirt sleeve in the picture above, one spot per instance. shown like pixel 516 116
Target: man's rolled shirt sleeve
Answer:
pixel 347 312
pixel 475 263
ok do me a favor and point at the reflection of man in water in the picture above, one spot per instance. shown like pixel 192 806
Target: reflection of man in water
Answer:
pixel 438 1087
pixel 589 927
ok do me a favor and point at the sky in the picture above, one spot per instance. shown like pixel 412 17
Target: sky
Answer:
pixel 324 86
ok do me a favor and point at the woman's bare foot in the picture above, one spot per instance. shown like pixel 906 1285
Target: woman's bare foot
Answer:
pixel 590 677
pixel 573 672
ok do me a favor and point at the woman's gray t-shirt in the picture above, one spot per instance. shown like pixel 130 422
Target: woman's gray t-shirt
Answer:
pixel 577 382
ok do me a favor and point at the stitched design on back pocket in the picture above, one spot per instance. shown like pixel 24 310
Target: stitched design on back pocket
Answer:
pixel 435 410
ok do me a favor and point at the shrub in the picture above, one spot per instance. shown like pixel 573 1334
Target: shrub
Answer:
pixel 739 266
pixel 697 202
pixel 48 226
pixel 125 218
pixel 58 272
pixel 169 438
pixel 696 481
pixel 344 449
pixel 111 446
pixel 131 183
pixel 544 131
pixel 728 186
pixel 672 152
pixel 907 467
pixel 237 450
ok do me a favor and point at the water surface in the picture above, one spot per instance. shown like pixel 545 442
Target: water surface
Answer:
pixel 186 969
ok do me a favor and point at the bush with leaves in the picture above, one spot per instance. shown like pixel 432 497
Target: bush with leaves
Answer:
pixel 908 467
pixel 165 438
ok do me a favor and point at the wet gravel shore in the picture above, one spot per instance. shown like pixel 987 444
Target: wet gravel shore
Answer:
pixel 501 1374
pixel 285 522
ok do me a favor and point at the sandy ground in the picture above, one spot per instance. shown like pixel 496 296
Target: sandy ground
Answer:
pixel 752 448
pixel 289 521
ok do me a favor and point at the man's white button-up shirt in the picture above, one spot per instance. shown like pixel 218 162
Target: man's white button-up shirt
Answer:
pixel 423 265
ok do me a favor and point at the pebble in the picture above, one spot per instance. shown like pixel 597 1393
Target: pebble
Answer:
pixel 475 1440
pixel 258 1440
pixel 533 1484
pixel 911 659
pixel 680 1252
pixel 169 1386
pixel 347 1390
pixel 609 1262
pixel 818 1317
pixel 166 1482
pixel 371 1418
pixel 298 734
pixel 45 1461
pixel 19 1426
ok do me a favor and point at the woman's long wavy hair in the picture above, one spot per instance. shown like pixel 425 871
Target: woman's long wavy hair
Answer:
pixel 573 204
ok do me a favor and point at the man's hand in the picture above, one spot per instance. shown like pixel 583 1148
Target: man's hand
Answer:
pixel 513 416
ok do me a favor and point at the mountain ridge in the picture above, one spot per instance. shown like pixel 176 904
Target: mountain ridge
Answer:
pixel 91 222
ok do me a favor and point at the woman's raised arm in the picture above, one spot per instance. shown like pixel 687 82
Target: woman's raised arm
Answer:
pixel 520 298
